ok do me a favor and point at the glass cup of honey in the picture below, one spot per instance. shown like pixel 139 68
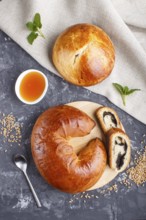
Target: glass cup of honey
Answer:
pixel 31 86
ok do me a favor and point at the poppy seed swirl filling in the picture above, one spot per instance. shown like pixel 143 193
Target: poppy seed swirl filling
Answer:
pixel 121 150
pixel 109 119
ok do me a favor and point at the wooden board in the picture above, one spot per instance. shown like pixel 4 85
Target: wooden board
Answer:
pixel 78 143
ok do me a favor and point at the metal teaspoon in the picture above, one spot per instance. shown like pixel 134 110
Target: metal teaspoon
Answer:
pixel 21 163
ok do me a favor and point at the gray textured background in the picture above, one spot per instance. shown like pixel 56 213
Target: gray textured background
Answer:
pixel 16 201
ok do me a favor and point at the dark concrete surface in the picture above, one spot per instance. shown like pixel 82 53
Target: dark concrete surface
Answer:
pixel 16 201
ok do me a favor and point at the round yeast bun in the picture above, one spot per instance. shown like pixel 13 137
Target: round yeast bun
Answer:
pixel 54 156
pixel 84 54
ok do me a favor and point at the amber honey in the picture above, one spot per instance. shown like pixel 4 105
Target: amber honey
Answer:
pixel 32 86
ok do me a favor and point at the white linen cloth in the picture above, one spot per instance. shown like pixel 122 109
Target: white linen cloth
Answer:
pixel 123 20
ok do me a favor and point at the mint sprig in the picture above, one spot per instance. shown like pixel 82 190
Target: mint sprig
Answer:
pixel 124 91
pixel 35 28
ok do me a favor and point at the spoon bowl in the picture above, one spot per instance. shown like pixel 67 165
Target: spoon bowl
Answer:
pixel 21 162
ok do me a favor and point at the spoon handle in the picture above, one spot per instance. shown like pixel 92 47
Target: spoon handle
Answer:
pixel 33 191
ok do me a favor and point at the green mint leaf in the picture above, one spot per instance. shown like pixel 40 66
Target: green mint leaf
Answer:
pixel 118 87
pixel 37 20
pixel 124 91
pixel 132 91
pixel 35 28
pixel 31 26
pixel 31 37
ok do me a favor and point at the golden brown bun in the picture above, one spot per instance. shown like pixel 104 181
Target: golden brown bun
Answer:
pixel 84 54
pixel 119 149
pixel 55 158
pixel 108 118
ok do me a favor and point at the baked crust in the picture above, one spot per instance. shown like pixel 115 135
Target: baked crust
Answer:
pixel 55 158
pixel 84 54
